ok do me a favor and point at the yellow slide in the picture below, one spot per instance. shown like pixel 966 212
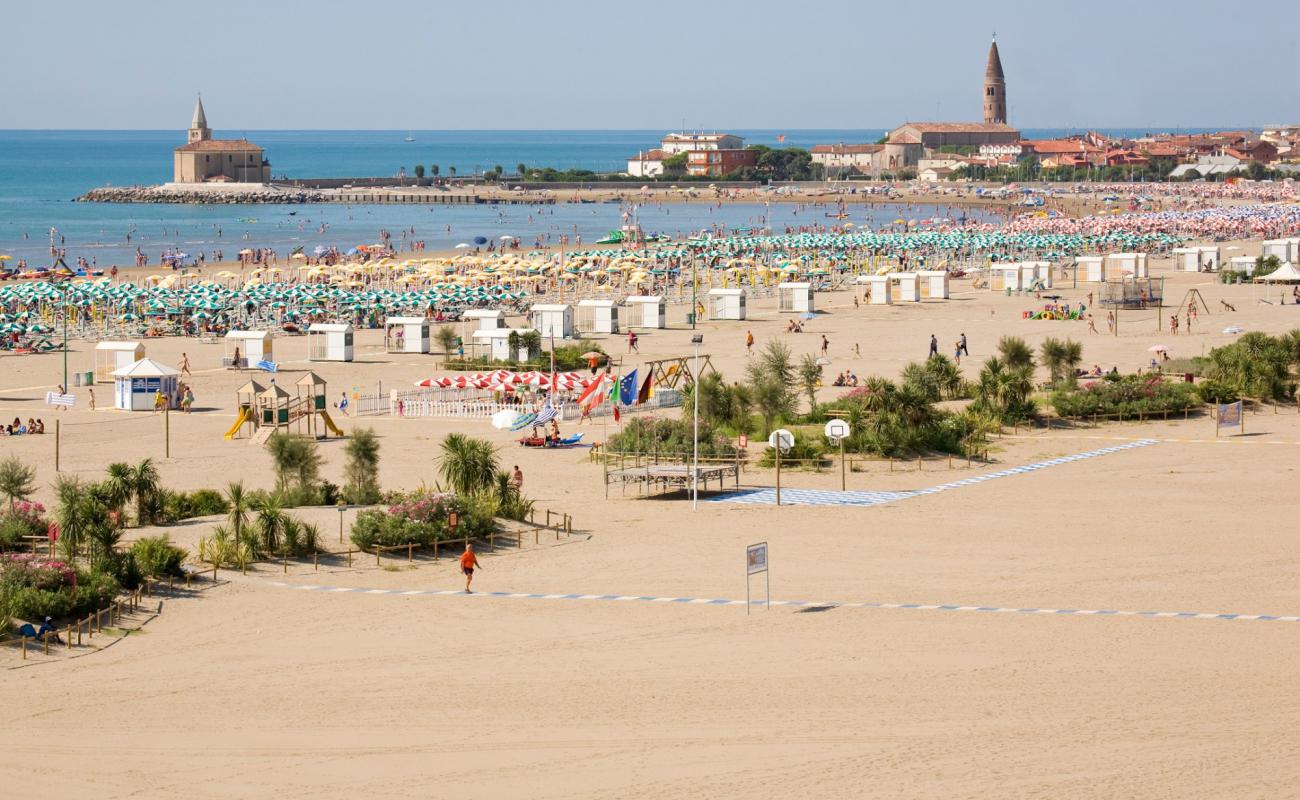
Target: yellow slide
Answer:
pixel 329 424
pixel 245 414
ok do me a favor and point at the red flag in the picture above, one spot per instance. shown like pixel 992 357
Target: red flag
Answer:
pixel 617 416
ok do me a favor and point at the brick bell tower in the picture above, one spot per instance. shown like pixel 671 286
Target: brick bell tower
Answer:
pixel 995 88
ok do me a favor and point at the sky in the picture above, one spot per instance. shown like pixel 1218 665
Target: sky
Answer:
pixel 579 64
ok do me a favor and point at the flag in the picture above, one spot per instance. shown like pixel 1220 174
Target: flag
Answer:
pixel 627 389
pixel 593 396
pixel 617 416
pixel 647 391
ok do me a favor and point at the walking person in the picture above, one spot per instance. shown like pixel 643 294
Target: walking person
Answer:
pixel 749 342
pixel 517 479
pixel 961 345
pixel 956 352
pixel 185 365
pixel 343 404
pixel 468 561
pixel 826 344
pixel 631 342
pixel 934 345
pixel 92 399
pixel 1092 324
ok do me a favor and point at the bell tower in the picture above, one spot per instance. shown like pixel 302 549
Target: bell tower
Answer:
pixel 995 88
pixel 199 130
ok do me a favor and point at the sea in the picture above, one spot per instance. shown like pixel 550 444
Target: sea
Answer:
pixel 41 171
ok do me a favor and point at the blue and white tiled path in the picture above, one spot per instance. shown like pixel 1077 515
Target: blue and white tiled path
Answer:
pixel 705 601
pixel 815 497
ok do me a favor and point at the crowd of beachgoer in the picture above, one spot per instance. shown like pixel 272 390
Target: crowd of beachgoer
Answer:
pixel 19 428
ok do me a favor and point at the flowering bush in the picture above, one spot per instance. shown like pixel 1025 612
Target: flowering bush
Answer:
pixel 24 519
pixel 36 587
pixel 1127 396
pixel 418 518
pixel 37 572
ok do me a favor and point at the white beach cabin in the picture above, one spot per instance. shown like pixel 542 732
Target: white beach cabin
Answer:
pixel 935 284
pixel 1005 277
pixel 647 311
pixel 135 386
pixel 1244 264
pixel 1045 273
pixel 1187 259
pixel 406 334
pixel 1210 258
pixel 881 289
pixel 907 286
pixel 1090 269
pixel 1278 247
pixel 329 341
pixel 496 344
pixel 597 316
pixel 551 319
pixel 112 356
pixel 485 319
pixel 727 304
pixel 794 298
pixel 254 347
pixel 1127 265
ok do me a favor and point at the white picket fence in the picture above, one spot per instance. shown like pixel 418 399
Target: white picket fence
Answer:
pixel 417 404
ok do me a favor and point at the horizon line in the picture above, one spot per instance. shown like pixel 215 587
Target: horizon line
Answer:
pixel 1154 128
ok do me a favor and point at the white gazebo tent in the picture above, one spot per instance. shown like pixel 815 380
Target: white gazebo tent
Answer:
pixel 794 297
pixel 329 341
pixel 1090 269
pixel 597 316
pixel 552 319
pixel 406 334
pixel 909 288
pixel 112 356
pixel 653 312
pixel 1287 273
pixel 489 319
pixel 934 284
pixel 497 344
pixel 727 304
pixel 253 346
pixel 135 386
pixel 882 293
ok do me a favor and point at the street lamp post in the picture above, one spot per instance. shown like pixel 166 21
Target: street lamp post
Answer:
pixel 695 438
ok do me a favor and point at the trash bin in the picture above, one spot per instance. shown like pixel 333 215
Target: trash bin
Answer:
pixel 690 318
pixel 90 378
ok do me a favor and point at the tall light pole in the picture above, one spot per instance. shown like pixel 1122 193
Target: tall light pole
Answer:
pixel 695 438
pixel 63 295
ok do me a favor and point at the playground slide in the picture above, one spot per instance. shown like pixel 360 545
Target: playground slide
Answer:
pixel 245 415
pixel 329 424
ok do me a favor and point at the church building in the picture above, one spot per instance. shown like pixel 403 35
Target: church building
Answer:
pixel 203 159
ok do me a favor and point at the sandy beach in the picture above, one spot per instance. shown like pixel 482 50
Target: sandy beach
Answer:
pixel 255 686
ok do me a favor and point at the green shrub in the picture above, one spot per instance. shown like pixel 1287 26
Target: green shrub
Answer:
pixel 32 604
pixel 807 452
pixel 156 556
pixel 421 518
pixel 1128 396
pixel 669 438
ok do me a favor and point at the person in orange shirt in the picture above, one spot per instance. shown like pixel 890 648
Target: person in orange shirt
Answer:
pixel 468 561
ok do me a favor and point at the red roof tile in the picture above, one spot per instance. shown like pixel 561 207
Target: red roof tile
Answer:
pixel 219 145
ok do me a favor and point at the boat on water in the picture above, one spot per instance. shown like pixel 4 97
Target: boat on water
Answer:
pixel 409 137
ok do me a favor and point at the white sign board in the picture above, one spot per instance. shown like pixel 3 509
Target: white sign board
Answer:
pixel 781 438
pixel 837 429
pixel 756 558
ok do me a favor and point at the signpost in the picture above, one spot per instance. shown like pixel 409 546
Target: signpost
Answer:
pixel 1228 415
pixel 837 430
pixel 780 441
pixel 756 562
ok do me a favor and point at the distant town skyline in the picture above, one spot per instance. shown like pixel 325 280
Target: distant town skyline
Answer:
pixel 397 64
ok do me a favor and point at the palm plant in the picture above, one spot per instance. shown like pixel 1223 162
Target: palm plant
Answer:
pixel 922 379
pixel 362 468
pixel 810 375
pixel 17 480
pixel 119 486
pixel 468 464
pixel 240 504
pixel 144 485
pixel 447 339
pixel 945 375
pixel 73 513
pixel 1061 358
pixel 271 521
pixel 1015 353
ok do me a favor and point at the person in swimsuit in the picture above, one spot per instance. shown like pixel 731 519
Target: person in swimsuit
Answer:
pixel 468 561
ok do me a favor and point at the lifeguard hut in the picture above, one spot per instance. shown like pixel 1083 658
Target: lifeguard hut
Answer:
pixel 882 293
pixel 908 286
pixel 406 335
pixel 934 284
pixel 552 319
pixel 254 347
pixel 329 341
pixel 597 316
pixel 794 298
pixel 647 311
pixel 112 356
pixel 245 407
pixel 727 304
pixel 136 386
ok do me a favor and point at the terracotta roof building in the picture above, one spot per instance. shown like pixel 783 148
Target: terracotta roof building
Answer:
pixel 204 159
pixel 932 135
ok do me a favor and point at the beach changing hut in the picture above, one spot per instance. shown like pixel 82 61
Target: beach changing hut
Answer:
pixel 597 316
pixel 486 319
pixel 727 304
pixel 552 319
pixel 254 347
pixel 496 344
pixel 1128 265
pixel 135 386
pixel 934 284
pixel 647 311
pixel 1284 249
pixel 406 334
pixel 794 298
pixel 1005 277
pixel 907 286
pixel 1243 264
pixel 1091 269
pixel 329 341
pixel 112 356
pixel 881 289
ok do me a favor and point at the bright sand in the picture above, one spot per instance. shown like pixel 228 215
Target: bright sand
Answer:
pixel 250 690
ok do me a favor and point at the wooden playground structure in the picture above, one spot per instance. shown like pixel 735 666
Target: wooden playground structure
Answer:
pixel 668 372
pixel 270 409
